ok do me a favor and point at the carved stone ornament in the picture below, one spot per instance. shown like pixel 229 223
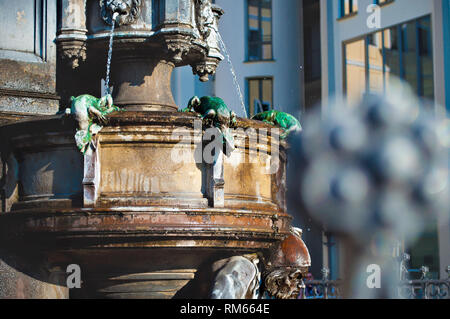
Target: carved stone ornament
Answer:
pixel 73 52
pixel 205 17
pixel 72 45
pixel 288 263
pixel 205 69
pixel 284 283
pixel 129 11
pixel 177 48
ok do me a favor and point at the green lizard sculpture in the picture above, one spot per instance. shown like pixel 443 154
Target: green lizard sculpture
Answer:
pixel 87 108
pixel 215 110
pixel 285 121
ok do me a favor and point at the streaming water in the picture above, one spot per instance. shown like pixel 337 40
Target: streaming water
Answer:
pixel 108 64
pixel 233 73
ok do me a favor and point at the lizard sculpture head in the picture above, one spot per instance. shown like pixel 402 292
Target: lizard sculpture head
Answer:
pixel 233 119
pixel 194 103
pixel 106 102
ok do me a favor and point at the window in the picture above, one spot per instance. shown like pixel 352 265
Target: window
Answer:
pixel 403 51
pixel 259 30
pixel 260 95
pixel 382 2
pixel 347 7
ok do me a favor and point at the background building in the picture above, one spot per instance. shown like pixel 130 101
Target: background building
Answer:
pixel 411 42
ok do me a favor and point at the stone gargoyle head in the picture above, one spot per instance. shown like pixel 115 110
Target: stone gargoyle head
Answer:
pixel 128 10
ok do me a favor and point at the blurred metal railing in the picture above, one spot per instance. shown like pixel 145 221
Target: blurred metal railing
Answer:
pixel 423 288
pixel 321 289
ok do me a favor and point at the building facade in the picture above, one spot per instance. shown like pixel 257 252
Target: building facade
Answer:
pixel 367 43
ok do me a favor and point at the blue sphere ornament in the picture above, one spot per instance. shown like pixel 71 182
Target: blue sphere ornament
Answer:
pixel 376 167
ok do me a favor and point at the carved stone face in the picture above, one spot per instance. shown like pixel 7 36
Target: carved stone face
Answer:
pixel 122 7
pixel 128 10
pixel 284 283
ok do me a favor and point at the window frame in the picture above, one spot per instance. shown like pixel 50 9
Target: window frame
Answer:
pixel 262 42
pixel 352 12
pixel 247 89
pixel 401 48
pixel 384 3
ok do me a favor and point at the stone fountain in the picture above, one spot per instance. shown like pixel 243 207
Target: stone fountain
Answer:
pixel 138 223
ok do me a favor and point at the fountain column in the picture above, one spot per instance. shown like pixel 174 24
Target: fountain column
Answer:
pixel 143 84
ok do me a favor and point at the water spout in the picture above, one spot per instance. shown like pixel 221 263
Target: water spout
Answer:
pixel 233 73
pixel 108 63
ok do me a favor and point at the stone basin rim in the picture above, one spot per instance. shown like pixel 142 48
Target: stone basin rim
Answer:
pixel 138 117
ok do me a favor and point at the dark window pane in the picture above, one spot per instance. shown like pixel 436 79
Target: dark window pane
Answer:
pixel 253 51
pixel 410 54
pixel 426 58
pixel 392 54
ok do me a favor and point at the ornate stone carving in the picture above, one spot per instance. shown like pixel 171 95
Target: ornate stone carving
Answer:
pixel 73 52
pixel 72 32
pixel 288 263
pixel 177 48
pixel 284 283
pixel 205 17
pixel 205 68
pixel 129 11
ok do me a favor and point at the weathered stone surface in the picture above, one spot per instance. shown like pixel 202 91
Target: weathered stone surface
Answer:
pixel 18 281
pixel 129 145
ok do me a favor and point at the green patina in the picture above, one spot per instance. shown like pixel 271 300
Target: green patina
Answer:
pixel 214 111
pixel 285 121
pixel 88 110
